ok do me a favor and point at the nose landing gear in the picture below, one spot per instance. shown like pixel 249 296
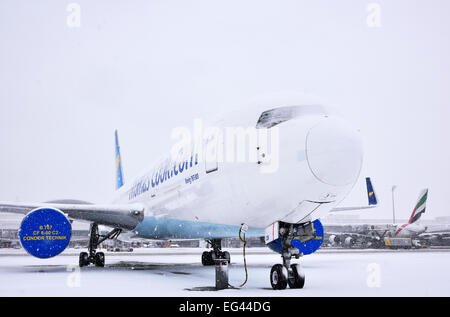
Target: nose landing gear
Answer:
pixel 93 257
pixel 285 274
pixel 292 240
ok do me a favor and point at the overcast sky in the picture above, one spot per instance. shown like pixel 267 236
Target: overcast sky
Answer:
pixel 145 67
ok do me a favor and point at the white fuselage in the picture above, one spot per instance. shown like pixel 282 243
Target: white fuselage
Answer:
pixel 319 162
pixel 409 230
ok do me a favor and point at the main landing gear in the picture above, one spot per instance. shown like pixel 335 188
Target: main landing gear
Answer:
pixel 93 257
pixel 285 274
pixel 209 257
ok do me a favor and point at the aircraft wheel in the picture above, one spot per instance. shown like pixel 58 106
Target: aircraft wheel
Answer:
pixel 297 280
pixel 278 277
pixel 226 255
pixel 84 259
pixel 100 259
pixel 207 258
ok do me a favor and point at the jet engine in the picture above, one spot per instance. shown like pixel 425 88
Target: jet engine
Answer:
pixel 334 239
pixel 349 241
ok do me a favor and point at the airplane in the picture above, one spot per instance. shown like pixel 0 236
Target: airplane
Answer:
pixel 373 235
pixel 198 195
pixel 351 237
pixel 413 228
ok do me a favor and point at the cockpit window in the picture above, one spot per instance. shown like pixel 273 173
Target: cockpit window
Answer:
pixel 276 116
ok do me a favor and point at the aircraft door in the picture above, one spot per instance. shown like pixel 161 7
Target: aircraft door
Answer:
pixel 211 151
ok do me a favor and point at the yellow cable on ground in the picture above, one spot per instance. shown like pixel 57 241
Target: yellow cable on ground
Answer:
pixel 243 253
pixel 243 229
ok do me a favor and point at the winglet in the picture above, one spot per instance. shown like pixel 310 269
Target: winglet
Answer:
pixel 119 172
pixel 372 197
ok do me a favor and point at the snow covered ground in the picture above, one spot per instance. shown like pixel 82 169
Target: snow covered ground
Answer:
pixel 178 272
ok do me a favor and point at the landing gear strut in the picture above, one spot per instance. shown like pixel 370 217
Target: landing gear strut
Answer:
pixel 285 274
pixel 209 257
pixel 93 257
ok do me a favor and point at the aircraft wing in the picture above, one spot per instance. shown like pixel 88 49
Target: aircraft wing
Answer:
pixel 337 209
pixel 117 216
pixel 371 196
pixel 443 234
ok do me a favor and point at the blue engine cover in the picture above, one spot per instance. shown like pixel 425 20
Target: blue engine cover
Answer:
pixel 305 248
pixel 45 232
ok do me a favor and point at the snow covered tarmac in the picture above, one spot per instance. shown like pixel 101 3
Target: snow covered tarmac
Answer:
pixel 178 272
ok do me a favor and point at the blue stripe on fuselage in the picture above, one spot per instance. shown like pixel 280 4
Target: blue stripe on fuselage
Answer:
pixel 166 228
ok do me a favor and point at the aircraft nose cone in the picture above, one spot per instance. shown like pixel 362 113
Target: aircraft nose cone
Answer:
pixel 334 152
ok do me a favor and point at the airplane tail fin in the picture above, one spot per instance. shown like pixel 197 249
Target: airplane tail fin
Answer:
pixel 119 172
pixel 372 197
pixel 419 209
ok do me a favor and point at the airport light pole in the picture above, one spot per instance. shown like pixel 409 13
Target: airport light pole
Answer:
pixel 393 205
